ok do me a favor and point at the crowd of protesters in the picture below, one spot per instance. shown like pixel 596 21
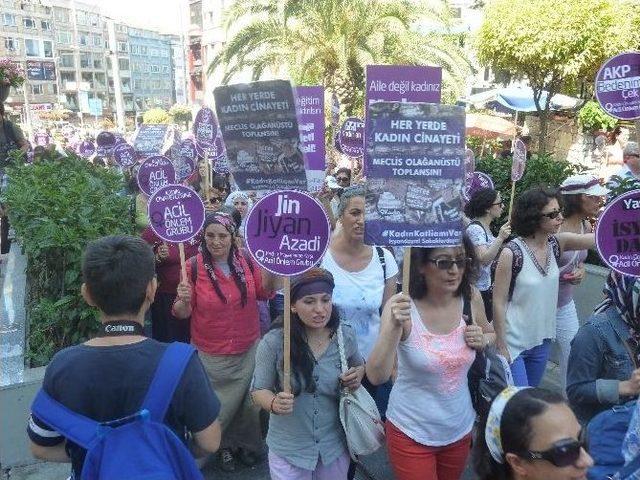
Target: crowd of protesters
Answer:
pixel 411 352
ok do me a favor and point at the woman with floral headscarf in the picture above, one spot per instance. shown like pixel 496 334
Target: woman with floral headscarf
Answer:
pixel 605 354
pixel 221 296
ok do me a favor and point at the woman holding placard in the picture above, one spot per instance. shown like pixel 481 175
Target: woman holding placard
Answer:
pixel 582 198
pixel 526 283
pixel 305 437
pixel 365 278
pixel 430 414
pixel 221 294
pixel 485 206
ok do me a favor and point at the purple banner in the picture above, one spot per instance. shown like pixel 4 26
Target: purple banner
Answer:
pixel 310 110
pixel 618 234
pixel 519 160
pixel 182 156
pixel 125 154
pixel 403 83
pixel 287 232
pixel 415 168
pixel 351 137
pixel 176 213
pixel 474 182
pixel 154 173
pixel 260 131
pixel 618 86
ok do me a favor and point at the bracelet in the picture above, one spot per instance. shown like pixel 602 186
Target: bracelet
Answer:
pixel 271 410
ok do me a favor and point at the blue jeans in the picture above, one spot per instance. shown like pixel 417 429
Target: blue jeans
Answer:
pixel 528 367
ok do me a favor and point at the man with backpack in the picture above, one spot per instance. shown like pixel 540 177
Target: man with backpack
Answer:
pixel 122 405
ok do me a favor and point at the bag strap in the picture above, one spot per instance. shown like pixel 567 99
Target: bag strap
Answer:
pixel 476 222
pixel 343 358
pixel 466 310
pixel 73 426
pixel 166 379
pixel 383 263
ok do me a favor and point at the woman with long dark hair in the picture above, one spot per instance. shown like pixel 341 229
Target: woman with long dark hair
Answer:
pixel 532 434
pixel 305 438
pixel 525 289
pixel 430 414
pixel 221 294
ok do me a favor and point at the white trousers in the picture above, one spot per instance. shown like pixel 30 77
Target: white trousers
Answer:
pixel 567 325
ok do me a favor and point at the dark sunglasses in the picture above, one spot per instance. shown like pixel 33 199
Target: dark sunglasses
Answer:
pixel 552 215
pixel 447 263
pixel 342 179
pixel 561 454
pixel 215 199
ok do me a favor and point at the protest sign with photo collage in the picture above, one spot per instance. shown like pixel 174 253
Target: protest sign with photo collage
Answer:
pixel 415 164
pixel 260 132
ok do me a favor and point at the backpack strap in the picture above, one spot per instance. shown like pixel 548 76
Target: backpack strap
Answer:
pixel 73 426
pixel 516 264
pixel 555 246
pixel 194 269
pixel 476 222
pixel 383 263
pixel 466 310
pixel 166 379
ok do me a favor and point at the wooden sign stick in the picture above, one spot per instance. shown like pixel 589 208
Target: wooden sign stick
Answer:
pixel 207 166
pixel 513 194
pixel 183 263
pixel 406 270
pixel 287 336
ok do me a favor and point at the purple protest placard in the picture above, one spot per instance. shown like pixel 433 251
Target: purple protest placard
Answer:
pixel 310 110
pixel 105 142
pixel 42 139
pixel 176 213
pixel 205 128
pixel 86 148
pixel 474 182
pixel 125 155
pixel 618 234
pixel 260 131
pixel 414 160
pixel 287 232
pixel 154 173
pixel 351 138
pixel 519 160
pixel 183 162
pixel 618 86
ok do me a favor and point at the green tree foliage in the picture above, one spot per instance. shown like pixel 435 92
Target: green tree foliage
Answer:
pixel 156 115
pixel 554 45
pixel 330 42
pixel 180 113
pixel 592 117
pixel 57 206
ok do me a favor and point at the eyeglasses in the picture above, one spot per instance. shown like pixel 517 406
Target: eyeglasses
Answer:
pixel 448 263
pixel 552 215
pixel 562 454
pixel 501 202
pixel 215 199
pixel 342 179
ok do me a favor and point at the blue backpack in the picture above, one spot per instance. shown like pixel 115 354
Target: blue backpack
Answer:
pixel 605 433
pixel 139 446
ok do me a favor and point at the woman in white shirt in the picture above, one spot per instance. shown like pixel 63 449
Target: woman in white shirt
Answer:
pixel 363 283
pixel 430 414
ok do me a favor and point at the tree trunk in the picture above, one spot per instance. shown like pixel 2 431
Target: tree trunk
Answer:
pixel 543 133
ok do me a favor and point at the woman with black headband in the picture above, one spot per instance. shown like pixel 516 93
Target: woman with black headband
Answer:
pixel 604 363
pixel 530 433
pixel 305 437
pixel 221 296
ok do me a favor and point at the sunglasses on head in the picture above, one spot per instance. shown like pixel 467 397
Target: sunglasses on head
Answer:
pixel 448 263
pixel 562 454
pixel 552 215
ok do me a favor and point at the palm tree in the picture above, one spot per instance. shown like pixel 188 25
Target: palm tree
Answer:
pixel 330 42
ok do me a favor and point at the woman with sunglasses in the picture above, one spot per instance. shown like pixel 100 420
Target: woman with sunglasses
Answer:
pixel 221 295
pixel 604 363
pixel 485 206
pixel 365 278
pixel 530 433
pixel 582 198
pixel 526 282
pixel 430 414
pixel 305 437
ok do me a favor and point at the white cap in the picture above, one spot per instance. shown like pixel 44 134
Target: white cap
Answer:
pixel 584 183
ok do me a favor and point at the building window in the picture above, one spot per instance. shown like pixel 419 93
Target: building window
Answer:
pixel 45 24
pixel 85 60
pixel 121 28
pixel 48 48
pixel 32 47
pixel 61 15
pixel 88 77
pixel 143 50
pixel 155 69
pixel 29 22
pixel 97 40
pixel 165 69
pixel 123 63
pixel 93 20
pixel 84 41
pixel 67 77
pixel 123 47
pixel 63 38
pixel 97 63
pixel 135 49
pixel 9 20
pixel 11 44
pixel 36 89
pixel 81 17
pixel 100 80
pixel 67 60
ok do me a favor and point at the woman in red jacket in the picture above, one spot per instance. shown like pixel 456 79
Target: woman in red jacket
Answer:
pixel 223 305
